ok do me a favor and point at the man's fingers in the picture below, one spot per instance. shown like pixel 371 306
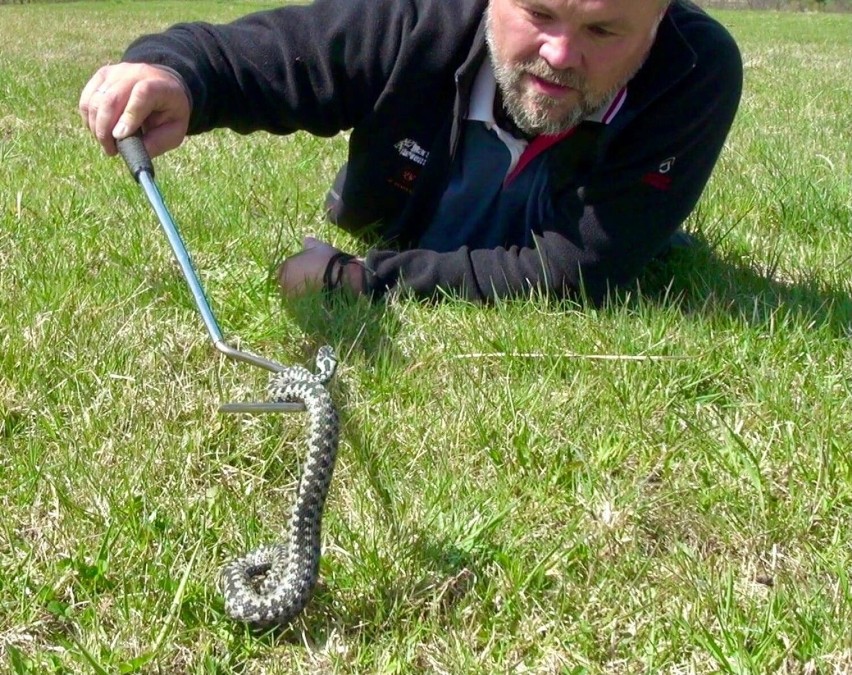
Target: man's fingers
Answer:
pixel 304 270
pixel 85 95
pixel 120 99
pixel 108 102
pixel 84 106
pixel 293 275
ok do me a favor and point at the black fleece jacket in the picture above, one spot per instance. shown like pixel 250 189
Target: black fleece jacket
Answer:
pixel 398 73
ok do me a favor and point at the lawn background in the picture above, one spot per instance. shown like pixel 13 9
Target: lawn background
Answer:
pixel 663 485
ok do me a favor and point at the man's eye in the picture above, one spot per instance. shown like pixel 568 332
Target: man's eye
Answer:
pixel 536 15
pixel 600 31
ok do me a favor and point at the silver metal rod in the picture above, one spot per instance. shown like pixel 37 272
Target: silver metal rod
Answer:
pixel 146 180
pixel 248 357
pixel 181 255
pixel 133 151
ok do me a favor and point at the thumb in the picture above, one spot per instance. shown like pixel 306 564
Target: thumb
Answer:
pixel 163 109
pixel 135 112
pixel 124 128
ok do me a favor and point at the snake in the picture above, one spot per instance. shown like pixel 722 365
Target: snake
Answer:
pixel 272 584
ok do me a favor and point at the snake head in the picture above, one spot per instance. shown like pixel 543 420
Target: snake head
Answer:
pixel 326 363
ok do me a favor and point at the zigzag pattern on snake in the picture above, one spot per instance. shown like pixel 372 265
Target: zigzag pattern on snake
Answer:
pixel 272 584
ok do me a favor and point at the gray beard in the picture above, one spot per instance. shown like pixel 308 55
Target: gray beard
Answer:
pixel 529 110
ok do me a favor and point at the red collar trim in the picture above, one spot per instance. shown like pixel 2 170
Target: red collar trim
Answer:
pixel 541 143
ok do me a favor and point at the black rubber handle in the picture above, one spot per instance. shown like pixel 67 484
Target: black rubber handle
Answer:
pixel 133 151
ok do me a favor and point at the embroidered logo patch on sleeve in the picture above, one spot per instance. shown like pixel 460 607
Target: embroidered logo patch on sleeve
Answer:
pixel 661 178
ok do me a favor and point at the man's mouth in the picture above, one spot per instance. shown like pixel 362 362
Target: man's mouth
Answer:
pixel 550 88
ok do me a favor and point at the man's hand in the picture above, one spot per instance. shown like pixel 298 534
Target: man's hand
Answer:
pixel 124 97
pixel 305 270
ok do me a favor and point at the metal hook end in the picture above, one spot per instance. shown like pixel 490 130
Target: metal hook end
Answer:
pixel 260 407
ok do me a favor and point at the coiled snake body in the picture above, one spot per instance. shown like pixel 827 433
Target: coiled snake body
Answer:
pixel 273 583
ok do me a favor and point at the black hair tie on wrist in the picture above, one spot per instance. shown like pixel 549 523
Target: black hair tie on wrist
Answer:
pixel 333 275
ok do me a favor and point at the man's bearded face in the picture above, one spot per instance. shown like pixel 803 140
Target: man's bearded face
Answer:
pixel 555 67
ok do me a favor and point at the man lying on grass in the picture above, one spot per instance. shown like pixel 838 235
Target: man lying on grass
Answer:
pixel 497 146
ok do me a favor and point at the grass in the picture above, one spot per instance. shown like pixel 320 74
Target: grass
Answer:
pixel 663 485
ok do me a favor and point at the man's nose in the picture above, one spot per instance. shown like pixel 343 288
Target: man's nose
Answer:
pixel 561 50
